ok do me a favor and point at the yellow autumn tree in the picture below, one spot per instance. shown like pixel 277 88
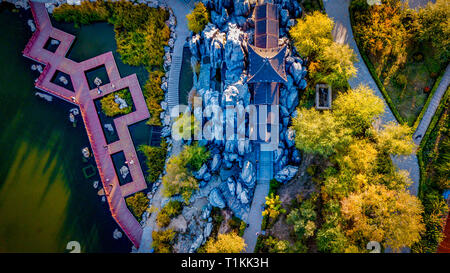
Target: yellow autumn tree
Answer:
pixel 226 243
pixel 312 34
pixel 318 132
pixel 391 217
pixel 360 157
pixel 273 206
pixel 395 139
pixel 357 108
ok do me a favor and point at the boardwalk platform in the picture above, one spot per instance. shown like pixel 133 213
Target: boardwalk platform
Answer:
pixel 84 98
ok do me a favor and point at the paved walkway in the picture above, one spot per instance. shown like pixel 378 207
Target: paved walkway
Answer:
pixel 342 33
pixel 264 175
pixel 432 107
pixel 84 98
pixel 180 9
pixel 418 3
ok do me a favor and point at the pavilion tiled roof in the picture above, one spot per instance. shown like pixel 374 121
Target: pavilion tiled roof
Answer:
pixel 266 25
pixel 267 64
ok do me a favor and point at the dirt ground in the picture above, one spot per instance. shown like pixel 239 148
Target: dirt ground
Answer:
pixel 300 185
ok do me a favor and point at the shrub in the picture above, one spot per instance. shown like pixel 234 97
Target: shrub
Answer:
pixel 162 240
pixel 401 80
pixel 273 207
pixel 274 186
pixel 178 180
pixel 198 18
pixel 138 204
pixel 225 243
pixel 155 160
pixel 111 108
pixel 303 219
pixel 154 95
pixel 162 220
pixel 331 239
pixel 274 245
pixel 194 156
pixel 87 12
pixel 169 211
pixel 173 208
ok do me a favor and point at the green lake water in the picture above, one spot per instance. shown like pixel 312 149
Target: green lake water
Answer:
pixel 45 200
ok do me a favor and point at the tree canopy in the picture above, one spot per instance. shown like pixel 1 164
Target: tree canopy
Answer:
pixel 225 243
pixel 363 195
pixel 383 215
pixel 330 62
pixel 198 18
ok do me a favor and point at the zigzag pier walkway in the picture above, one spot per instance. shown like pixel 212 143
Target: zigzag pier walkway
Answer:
pixel 84 98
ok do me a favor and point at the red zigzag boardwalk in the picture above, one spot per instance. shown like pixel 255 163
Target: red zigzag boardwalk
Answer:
pixel 84 98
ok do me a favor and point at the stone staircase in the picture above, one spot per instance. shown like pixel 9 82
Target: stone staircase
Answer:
pixel 175 69
pixel 264 175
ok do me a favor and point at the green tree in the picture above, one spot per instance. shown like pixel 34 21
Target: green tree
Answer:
pixel 434 20
pixel 194 156
pixel 303 219
pixel 185 127
pixel 178 180
pixel 198 18
pixel 331 239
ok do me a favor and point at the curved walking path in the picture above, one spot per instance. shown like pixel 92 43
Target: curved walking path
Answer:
pixel 432 107
pixel 342 33
pixel 180 9
pixel 84 98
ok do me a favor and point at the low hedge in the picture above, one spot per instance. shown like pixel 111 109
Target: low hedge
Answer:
pixel 426 137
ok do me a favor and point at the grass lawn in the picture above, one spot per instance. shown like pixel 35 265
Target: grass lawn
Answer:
pixel 409 94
